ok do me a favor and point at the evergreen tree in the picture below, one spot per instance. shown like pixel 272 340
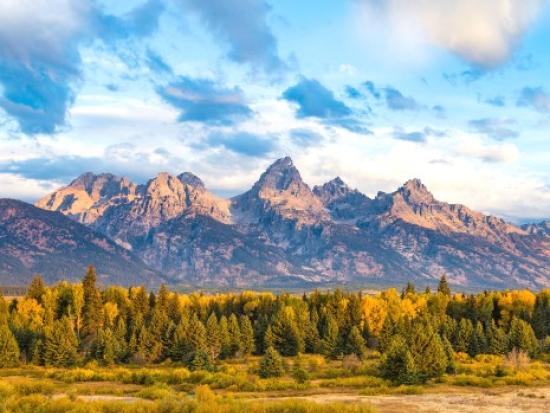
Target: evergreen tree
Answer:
pixel 409 289
pixel 225 339
pixel 287 337
pixel 60 344
pixel 271 364
pixel 197 340
pixel 464 335
pixel 522 337
pixel 433 361
pixel 450 354
pixel 213 341
pixel 36 289
pixel 234 334
pixel 443 286
pixel 329 340
pixel 180 347
pixel 92 308
pixel 269 338
pixel 201 361
pixel 356 343
pixel 541 316
pixel 312 340
pixel 397 363
pixel 497 339
pixel 9 350
pixel 247 336
pixel 106 347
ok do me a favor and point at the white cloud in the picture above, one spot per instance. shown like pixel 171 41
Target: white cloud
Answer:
pixel 483 32
pixel 40 29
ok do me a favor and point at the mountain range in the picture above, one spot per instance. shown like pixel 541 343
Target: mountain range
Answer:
pixel 281 232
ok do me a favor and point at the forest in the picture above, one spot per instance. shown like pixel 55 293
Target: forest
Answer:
pixel 385 340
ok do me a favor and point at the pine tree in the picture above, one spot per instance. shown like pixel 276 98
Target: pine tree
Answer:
pixel 397 363
pixel 234 334
pixel 197 340
pixel 312 340
pixel 106 347
pixel 213 342
pixel 287 338
pixel 225 339
pixel 9 350
pixel 36 289
pixel 409 289
pixel 443 286
pixel 449 352
pixel 356 343
pixel 388 331
pixel 269 339
pixel 541 316
pixel 464 334
pixel 522 337
pixel 92 308
pixel 60 344
pixel 247 336
pixel 497 340
pixel 201 361
pixel 271 364
pixel 434 360
pixel 180 347
pixel 329 340
pixel 163 298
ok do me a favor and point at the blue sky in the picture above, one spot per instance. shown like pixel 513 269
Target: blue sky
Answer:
pixel 456 93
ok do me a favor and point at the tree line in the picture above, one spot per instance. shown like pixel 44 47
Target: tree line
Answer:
pixel 417 333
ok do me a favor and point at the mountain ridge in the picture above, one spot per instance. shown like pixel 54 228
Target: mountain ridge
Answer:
pixel 283 229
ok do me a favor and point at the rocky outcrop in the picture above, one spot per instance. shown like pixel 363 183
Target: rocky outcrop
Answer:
pixel 281 231
pixel 343 202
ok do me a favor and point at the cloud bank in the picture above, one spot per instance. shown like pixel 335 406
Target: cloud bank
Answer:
pixel 484 33
pixel 40 61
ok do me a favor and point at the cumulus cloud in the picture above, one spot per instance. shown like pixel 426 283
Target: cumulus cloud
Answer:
pixel 495 128
pixel 315 100
pixel 416 136
pixel 536 98
pixel 203 100
pixel 40 61
pixel 242 143
pixel 397 101
pixel 498 101
pixel 242 25
pixel 483 33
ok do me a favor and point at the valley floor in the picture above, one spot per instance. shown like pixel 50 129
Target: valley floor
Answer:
pixel 236 388
pixel 447 399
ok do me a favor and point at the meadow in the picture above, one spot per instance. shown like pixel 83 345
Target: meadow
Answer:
pixel 235 385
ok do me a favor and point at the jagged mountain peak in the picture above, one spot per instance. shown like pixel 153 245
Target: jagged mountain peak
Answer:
pixel 414 191
pixel 540 228
pixel 190 178
pixel 343 202
pixel 332 188
pixel 280 176
pixel 281 190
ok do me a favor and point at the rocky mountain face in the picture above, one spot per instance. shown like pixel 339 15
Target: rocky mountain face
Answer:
pixel 281 232
pixel 542 228
pixel 33 240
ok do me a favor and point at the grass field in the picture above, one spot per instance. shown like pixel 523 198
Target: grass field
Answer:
pixel 481 385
